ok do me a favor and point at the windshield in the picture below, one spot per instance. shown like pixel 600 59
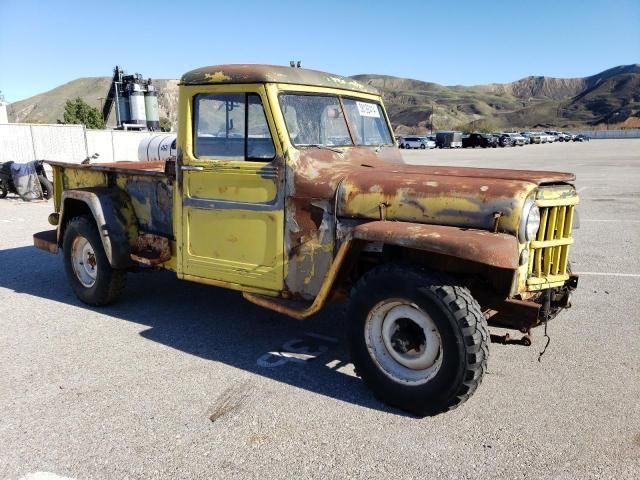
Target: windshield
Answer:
pixel 321 120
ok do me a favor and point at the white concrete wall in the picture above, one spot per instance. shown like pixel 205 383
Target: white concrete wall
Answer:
pixel 3 113
pixel 100 141
pixel 63 143
pixel 16 143
pixel 125 145
pixel 66 143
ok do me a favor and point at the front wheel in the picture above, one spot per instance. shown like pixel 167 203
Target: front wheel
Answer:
pixel 418 339
pixel 92 278
pixel 4 191
pixel 422 146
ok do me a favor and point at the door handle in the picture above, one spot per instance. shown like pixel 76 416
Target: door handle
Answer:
pixel 191 168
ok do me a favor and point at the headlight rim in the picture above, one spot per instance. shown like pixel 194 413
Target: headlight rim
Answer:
pixel 524 222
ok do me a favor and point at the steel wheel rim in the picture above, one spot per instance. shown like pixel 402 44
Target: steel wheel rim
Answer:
pixel 83 261
pixel 404 341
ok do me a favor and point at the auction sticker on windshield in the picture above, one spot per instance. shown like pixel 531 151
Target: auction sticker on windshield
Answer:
pixel 368 109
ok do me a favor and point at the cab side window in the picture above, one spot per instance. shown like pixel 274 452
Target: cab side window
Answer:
pixel 231 126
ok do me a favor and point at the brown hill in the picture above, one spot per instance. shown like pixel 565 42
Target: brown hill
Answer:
pixel 609 97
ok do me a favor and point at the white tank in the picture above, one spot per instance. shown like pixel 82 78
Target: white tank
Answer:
pixel 153 148
pixel 151 108
pixel 136 105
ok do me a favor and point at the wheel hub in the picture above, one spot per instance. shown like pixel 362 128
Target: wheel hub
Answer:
pixel 83 261
pixel 404 341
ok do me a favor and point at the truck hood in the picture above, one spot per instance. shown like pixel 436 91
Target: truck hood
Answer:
pixel 362 180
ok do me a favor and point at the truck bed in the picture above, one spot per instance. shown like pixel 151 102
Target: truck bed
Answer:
pixel 146 183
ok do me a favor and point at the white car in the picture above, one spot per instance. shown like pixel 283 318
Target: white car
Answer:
pixel 417 142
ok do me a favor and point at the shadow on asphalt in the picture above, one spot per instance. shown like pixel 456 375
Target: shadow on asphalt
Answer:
pixel 211 323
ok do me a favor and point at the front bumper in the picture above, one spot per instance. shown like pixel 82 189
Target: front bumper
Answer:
pixel 525 314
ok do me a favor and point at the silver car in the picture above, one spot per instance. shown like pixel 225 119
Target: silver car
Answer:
pixel 416 142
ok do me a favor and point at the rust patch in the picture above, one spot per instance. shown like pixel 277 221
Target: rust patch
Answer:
pixel 151 249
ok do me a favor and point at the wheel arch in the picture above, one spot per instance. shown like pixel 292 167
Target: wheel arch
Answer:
pixel 115 218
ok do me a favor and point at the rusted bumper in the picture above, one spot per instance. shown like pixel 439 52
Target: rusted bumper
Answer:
pixel 47 241
pixel 525 314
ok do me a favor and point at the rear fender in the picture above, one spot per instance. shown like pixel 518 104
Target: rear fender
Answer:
pixel 113 213
pixel 498 250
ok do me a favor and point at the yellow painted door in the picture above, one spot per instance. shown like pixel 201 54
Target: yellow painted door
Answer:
pixel 232 184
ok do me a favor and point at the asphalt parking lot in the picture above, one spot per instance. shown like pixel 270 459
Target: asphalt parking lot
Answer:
pixel 180 380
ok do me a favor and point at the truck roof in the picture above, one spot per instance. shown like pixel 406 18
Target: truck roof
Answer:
pixel 250 73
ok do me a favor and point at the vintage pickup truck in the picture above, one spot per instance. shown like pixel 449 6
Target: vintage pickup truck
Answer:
pixel 287 185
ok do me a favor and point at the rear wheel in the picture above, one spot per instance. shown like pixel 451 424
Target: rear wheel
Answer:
pixel 92 278
pixel 4 191
pixel 417 339
pixel 422 146
pixel 47 187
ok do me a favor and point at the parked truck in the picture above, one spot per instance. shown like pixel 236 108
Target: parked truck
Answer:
pixel 287 186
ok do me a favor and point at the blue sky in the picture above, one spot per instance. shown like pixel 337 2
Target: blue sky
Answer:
pixel 47 43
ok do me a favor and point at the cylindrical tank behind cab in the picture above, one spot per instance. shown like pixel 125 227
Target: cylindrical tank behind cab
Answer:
pixel 123 108
pixel 136 105
pixel 160 146
pixel 151 108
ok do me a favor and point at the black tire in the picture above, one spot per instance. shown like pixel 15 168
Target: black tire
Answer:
pixel 4 191
pixel 109 282
pixel 47 187
pixel 462 333
pixel 422 146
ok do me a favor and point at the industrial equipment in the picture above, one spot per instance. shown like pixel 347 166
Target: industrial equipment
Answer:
pixel 135 100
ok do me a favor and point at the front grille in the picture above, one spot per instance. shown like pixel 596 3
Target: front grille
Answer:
pixel 549 252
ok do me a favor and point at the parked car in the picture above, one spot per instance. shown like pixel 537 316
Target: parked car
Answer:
pixel 474 140
pixel 533 137
pixel 581 138
pixel 449 139
pixel 502 140
pixel 429 142
pixel 416 142
pixel 513 139
pixel 517 139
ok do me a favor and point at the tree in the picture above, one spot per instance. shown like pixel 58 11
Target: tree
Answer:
pixel 80 112
pixel 482 125
pixel 165 124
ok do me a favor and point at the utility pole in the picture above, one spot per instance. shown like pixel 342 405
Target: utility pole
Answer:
pixel 431 120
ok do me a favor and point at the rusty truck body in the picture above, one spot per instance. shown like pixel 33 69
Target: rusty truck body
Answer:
pixel 288 186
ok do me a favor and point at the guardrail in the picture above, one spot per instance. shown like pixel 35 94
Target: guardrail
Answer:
pixel 611 134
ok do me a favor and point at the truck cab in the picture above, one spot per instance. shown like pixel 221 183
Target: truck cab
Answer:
pixel 287 186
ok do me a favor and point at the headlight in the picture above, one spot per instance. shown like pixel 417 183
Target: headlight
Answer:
pixel 529 222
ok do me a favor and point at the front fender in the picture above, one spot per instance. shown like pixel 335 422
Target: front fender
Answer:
pixel 114 215
pixel 494 249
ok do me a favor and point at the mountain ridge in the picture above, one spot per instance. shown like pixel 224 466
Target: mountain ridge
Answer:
pixel 610 96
